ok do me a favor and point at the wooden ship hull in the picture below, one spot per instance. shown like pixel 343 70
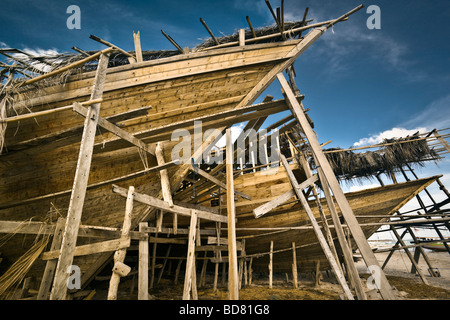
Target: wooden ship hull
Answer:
pixel 142 104
pixel 40 156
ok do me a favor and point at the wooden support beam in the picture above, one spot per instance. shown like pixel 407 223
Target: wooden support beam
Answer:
pixel 209 31
pixel 172 41
pixel 270 205
pixel 143 265
pixel 408 253
pixel 137 46
pixel 119 255
pixel 116 130
pixel 165 183
pixel 190 262
pixel 50 266
pixel 322 241
pixel 233 281
pixel 70 66
pixel 294 267
pixel 250 26
pixel 241 37
pixel 87 249
pixel 79 187
pixel 162 205
pixel 131 58
pixel 347 212
pixel 218 182
pixel 345 247
pixel 271 265
pixel 46 112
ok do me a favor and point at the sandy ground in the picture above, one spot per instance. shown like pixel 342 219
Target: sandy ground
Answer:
pixel 407 286
pixel 399 265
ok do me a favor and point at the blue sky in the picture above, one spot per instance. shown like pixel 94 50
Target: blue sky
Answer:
pixel 360 84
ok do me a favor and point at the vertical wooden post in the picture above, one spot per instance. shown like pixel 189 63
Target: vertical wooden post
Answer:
pixel 250 271
pixel 190 261
pixel 216 275
pixel 242 37
pixel 152 275
pixel 165 183
pixel 49 271
pixel 347 212
pixel 271 265
pixel 76 203
pixel 143 265
pixel 119 255
pixel 233 283
pixel 294 266
pixel 137 46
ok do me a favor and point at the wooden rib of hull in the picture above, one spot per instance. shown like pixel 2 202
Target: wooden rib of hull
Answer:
pixel 381 201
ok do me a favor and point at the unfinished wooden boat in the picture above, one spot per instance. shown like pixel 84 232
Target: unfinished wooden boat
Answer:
pixel 141 104
pixel 148 100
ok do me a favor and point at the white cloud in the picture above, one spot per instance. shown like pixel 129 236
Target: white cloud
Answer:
pixel 3 45
pixel 388 134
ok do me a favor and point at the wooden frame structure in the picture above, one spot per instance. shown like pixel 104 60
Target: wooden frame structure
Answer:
pixel 139 136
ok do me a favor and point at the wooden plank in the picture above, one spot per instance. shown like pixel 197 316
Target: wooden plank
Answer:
pixel 347 212
pixel 116 130
pixel 218 182
pixel 190 257
pixel 137 46
pixel 268 206
pixel 104 246
pixel 76 203
pixel 46 112
pixel 241 37
pixel 271 265
pixel 143 265
pixel 47 278
pixel 70 66
pixel 162 205
pixel 30 228
pixel 294 267
pixel 131 58
pixel 233 281
pixel 119 255
pixel 165 183
pixel 320 237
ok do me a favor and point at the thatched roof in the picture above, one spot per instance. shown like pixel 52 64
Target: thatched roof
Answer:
pixel 394 155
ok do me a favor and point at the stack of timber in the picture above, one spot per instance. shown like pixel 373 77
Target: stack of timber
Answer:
pixel 140 103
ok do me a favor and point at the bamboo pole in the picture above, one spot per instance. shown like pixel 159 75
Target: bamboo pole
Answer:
pixel 70 66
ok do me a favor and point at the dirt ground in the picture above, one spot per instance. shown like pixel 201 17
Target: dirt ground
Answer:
pixel 407 286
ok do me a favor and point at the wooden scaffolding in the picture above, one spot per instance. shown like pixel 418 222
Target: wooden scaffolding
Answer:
pixel 204 222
